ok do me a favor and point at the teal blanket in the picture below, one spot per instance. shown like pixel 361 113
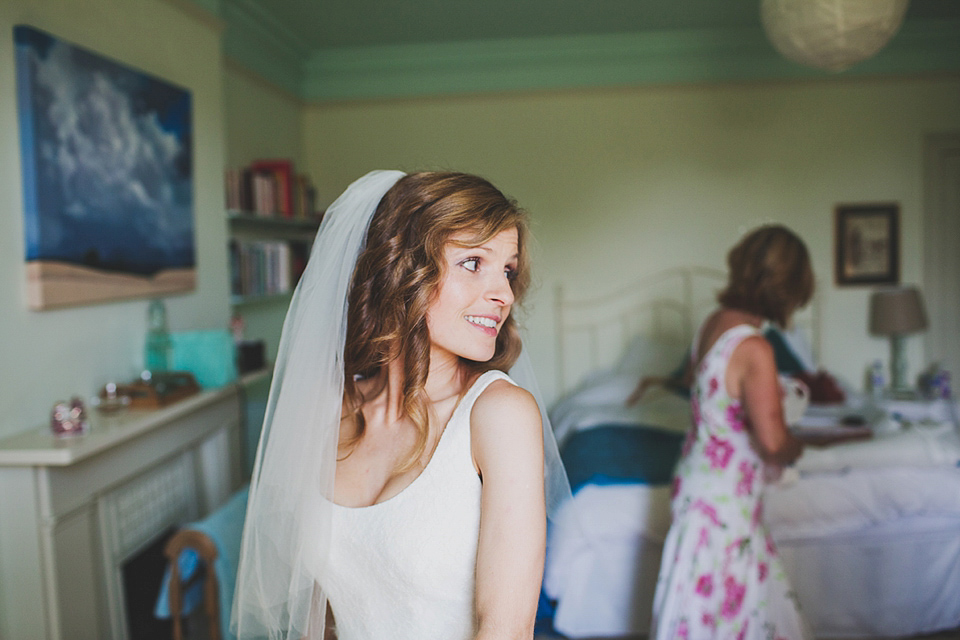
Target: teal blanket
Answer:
pixel 621 454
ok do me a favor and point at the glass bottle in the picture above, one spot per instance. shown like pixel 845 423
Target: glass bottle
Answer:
pixel 877 382
pixel 159 345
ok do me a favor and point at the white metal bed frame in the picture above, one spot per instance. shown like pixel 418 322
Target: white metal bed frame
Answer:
pixel 669 305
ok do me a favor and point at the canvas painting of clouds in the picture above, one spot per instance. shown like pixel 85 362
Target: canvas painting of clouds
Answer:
pixel 107 175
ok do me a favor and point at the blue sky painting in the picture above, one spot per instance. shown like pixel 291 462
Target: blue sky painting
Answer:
pixel 107 161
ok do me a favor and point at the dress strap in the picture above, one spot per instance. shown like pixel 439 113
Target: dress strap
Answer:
pixel 479 386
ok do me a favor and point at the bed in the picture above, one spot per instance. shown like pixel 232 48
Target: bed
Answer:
pixel 869 529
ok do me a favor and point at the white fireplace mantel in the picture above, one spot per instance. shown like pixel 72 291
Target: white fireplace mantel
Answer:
pixel 72 510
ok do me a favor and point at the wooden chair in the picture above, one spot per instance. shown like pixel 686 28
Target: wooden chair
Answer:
pixel 207 550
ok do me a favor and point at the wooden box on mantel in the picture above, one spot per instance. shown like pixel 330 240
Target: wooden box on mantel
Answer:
pixel 159 391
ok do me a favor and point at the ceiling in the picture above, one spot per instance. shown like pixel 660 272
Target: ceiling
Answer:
pixel 363 23
pixel 348 49
pixel 330 24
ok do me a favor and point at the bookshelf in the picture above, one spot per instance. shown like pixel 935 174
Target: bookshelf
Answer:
pixel 260 315
pixel 272 216
pixel 271 187
pixel 272 220
pixel 267 255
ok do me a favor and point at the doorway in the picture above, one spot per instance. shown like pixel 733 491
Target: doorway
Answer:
pixel 941 244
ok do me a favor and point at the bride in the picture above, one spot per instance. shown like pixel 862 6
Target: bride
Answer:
pixel 403 479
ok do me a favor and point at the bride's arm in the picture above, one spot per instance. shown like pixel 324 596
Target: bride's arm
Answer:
pixel 507 444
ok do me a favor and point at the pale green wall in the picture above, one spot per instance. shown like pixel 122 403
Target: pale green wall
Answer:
pixel 261 121
pixel 626 182
pixel 46 356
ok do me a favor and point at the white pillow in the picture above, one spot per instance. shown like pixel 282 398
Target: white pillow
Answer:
pixel 645 356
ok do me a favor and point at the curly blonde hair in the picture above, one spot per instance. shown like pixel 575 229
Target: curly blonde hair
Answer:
pixel 398 274
pixel 769 274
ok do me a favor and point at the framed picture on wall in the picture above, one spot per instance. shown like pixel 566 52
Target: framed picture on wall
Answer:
pixel 107 176
pixel 867 238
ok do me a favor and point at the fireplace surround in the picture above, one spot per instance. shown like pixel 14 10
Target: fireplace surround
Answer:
pixel 74 511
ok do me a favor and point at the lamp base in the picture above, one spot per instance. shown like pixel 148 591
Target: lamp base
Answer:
pixel 898 362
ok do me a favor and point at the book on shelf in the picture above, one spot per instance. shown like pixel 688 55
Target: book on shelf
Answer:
pixel 277 175
pixel 233 183
pixel 265 267
pixel 271 187
pixel 305 201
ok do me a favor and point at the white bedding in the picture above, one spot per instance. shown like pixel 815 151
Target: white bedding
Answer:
pixel 818 505
pixel 870 573
pixel 870 529
pixel 923 446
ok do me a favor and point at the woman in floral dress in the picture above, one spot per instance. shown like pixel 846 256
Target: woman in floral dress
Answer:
pixel 721 576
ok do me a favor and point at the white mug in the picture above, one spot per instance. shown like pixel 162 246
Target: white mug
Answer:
pixel 796 399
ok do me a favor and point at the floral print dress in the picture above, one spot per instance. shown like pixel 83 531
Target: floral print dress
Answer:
pixel 721 577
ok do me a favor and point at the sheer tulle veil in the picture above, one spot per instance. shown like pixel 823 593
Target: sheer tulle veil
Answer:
pixel 287 529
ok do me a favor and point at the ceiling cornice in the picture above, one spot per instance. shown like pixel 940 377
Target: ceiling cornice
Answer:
pixel 674 57
pixel 256 40
pixel 206 12
pixel 532 63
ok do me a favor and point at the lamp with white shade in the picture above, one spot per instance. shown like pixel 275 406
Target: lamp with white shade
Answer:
pixel 897 313
pixel 831 34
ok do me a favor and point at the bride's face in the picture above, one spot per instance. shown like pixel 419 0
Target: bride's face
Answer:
pixel 474 297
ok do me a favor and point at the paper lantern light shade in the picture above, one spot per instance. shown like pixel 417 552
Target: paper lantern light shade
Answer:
pixel 831 34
